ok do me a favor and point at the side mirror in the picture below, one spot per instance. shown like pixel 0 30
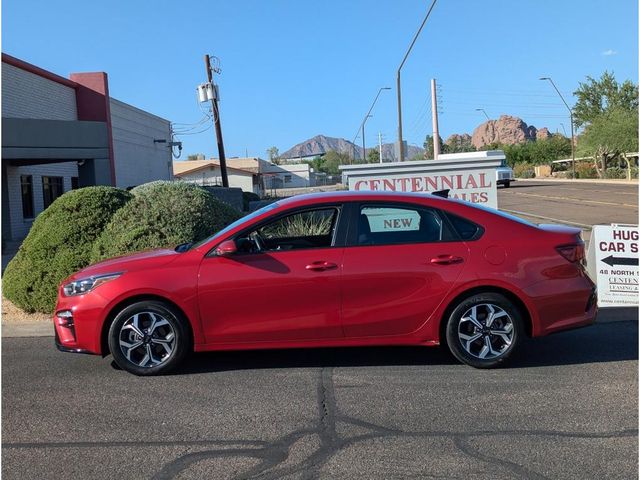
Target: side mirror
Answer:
pixel 228 247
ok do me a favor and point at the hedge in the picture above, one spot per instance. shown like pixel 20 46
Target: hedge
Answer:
pixel 59 243
pixel 163 215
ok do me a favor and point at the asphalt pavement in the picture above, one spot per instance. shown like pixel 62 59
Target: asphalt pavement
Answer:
pixel 567 407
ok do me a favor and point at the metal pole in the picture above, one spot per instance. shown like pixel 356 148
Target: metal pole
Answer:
pixel 400 145
pixel 218 127
pixel 573 147
pixel 434 119
pixel 380 146
pixel 482 110
pixel 364 150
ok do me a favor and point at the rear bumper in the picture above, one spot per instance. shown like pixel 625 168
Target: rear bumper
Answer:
pixel 563 304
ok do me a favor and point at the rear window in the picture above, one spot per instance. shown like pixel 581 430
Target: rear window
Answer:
pixel 466 229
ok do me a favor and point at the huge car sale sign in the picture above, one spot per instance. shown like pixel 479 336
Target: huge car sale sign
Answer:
pixel 613 261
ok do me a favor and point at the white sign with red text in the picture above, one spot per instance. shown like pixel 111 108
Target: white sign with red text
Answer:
pixel 477 186
pixel 613 261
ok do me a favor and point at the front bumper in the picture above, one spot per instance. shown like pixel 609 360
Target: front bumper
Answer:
pixel 62 348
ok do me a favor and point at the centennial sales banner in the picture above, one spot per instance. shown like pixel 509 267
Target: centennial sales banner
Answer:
pixel 477 186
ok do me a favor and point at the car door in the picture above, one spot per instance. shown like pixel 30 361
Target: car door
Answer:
pixel 400 262
pixel 289 290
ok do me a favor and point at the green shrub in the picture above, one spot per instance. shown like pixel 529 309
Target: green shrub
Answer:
pixel 615 172
pixel 59 243
pixel 141 189
pixel 524 170
pixel 586 170
pixel 163 215
pixel 248 197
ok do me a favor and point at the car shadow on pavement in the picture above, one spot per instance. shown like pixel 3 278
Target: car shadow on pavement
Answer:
pixel 605 342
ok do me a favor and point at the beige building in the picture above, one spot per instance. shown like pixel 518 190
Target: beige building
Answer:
pixel 207 173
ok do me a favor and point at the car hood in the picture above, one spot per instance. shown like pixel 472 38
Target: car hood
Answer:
pixel 137 261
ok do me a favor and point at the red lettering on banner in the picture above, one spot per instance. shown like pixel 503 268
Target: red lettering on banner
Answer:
pixel 389 185
pixel 358 183
pixel 432 183
pixel 373 184
pixel 446 182
pixel 483 183
pixel 415 184
pixel 471 182
pixel 405 184
pixel 459 181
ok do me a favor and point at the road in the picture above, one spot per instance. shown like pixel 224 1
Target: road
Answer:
pixel 583 204
pixel 567 408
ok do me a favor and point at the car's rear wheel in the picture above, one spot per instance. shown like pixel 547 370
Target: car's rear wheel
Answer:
pixel 148 338
pixel 484 330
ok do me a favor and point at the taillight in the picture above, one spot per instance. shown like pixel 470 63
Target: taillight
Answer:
pixel 573 253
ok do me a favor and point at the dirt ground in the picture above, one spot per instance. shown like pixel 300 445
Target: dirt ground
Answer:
pixel 13 314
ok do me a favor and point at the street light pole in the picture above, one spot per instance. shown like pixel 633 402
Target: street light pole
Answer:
pixel 364 150
pixel 573 147
pixel 482 110
pixel 400 145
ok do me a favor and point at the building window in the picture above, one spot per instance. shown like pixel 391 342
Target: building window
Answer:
pixel 287 179
pixel 26 186
pixel 74 183
pixel 52 188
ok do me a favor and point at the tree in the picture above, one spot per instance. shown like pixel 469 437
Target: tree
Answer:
pixel 596 97
pixel 196 156
pixel 373 156
pixel 608 136
pixel 428 147
pixel 332 160
pixel 273 154
pixel 459 143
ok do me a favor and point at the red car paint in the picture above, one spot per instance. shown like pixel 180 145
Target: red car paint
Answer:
pixel 346 294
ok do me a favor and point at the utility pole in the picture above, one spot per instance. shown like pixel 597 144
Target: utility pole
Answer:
pixel 573 147
pixel 380 146
pixel 400 144
pixel 434 119
pixel 216 122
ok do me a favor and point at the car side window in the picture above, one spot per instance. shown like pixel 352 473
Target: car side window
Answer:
pixel 386 225
pixel 306 229
pixel 466 229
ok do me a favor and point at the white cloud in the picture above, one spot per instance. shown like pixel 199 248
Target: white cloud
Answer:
pixel 608 53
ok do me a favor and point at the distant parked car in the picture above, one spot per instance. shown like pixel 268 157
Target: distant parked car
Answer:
pixel 335 269
pixel 504 175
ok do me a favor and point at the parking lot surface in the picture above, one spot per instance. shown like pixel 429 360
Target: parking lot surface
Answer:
pixel 566 408
pixel 583 204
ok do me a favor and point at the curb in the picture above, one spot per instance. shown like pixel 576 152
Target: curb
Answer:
pixel 606 181
pixel 27 329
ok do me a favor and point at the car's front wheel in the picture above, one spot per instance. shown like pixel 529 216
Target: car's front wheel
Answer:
pixel 484 330
pixel 148 338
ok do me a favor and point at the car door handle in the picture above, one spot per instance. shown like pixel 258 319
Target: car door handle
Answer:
pixel 446 260
pixel 321 266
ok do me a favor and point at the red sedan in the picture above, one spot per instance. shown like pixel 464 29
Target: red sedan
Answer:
pixel 335 269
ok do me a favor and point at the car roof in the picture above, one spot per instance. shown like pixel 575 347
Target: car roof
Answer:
pixel 351 196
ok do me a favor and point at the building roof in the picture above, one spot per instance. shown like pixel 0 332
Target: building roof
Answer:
pixel 190 166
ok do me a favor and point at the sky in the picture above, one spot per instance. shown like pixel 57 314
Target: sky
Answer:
pixel 293 69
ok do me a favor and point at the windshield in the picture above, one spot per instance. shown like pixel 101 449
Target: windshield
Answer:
pixel 240 221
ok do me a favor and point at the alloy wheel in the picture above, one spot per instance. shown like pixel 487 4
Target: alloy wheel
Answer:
pixel 486 331
pixel 147 339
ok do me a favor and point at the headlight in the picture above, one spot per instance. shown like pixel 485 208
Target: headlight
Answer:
pixel 84 285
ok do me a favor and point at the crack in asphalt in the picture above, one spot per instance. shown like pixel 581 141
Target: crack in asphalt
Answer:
pixel 273 455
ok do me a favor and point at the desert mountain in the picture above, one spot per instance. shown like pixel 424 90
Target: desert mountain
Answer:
pixel 321 144
pixel 507 130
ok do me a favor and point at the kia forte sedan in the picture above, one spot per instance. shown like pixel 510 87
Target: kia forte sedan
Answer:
pixel 335 270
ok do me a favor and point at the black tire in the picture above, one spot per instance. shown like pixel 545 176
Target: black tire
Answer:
pixel 166 351
pixel 498 351
pixel 507 184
